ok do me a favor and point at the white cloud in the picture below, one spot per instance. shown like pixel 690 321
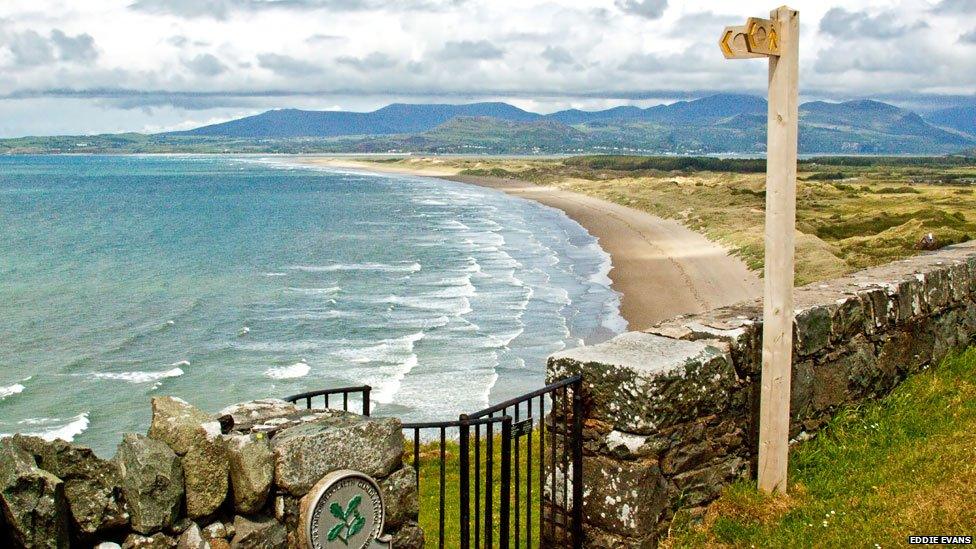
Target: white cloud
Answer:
pixel 142 58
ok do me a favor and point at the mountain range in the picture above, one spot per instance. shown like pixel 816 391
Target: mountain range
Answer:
pixel 723 123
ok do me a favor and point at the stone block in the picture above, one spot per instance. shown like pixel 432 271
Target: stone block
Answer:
pixel 305 453
pixel 152 481
pixel 639 382
pixel 622 496
pixel 400 496
pixel 251 465
pixel 258 532
pixel 32 501
pixel 92 485
pixel 813 329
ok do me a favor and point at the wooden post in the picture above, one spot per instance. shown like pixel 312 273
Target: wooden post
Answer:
pixel 777 353
pixel 777 38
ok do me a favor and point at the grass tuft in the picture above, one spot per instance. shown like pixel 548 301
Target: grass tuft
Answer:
pixel 878 473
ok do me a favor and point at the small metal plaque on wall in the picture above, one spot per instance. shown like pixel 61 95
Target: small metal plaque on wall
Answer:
pixel 344 510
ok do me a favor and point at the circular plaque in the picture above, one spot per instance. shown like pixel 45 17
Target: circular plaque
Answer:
pixel 343 510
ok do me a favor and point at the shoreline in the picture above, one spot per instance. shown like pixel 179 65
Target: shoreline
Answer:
pixel 661 268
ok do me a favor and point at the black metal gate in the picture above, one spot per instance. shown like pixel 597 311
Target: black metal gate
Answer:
pixel 510 475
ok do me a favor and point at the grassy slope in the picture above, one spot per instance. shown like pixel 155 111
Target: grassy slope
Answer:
pixel 849 215
pixel 902 466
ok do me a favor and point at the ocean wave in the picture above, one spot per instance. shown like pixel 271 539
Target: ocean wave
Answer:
pixel 387 350
pixel 316 291
pixel 54 428
pixel 461 290
pixel 457 306
pixel 416 322
pixel 473 266
pixel 412 267
pixel 313 315
pixel 453 224
pixel 11 390
pixel 296 370
pixel 141 377
pixel 614 321
pixel 388 387
pixel 502 340
pixel 602 275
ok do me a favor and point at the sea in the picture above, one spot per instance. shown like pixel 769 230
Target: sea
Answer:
pixel 222 279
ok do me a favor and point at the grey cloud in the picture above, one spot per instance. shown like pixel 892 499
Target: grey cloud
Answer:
pixel 877 58
pixel 221 9
pixel 373 61
pixel 80 48
pixel 468 49
pixel 705 21
pixel 29 48
pixel 955 7
pixel 847 24
pixel 651 9
pixel 969 37
pixel 690 60
pixel 316 38
pixel 285 65
pixel 149 101
pixel 178 41
pixel 557 57
pixel 205 65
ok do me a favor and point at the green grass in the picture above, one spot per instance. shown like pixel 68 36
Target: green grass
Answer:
pixel 852 213
pixel 901 466
pixel 430 490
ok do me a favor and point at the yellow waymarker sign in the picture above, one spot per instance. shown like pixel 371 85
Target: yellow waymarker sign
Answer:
pixel 733 44
pixel 762 36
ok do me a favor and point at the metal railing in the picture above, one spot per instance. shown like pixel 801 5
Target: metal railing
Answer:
pixel 363 390
pixel 559 468
pixel 521 419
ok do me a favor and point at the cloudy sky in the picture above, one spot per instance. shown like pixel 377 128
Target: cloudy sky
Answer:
pixel 90 66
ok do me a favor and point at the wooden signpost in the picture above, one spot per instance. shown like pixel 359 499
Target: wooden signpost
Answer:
pixel 777 38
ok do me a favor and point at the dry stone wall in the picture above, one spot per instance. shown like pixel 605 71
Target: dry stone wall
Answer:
pixel 200 481
pixel 671 412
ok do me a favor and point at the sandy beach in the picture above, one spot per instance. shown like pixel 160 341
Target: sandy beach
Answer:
pixel 661 268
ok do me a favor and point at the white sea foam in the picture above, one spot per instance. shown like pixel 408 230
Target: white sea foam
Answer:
pixel 377 267
pixel 387 350
pixel 389 386
pixel 141 377
pixel 299 369
pixel 11 390
pixel 456 306
pixel 54 428
pixel 466 289
pixel 502 340
pixel 313 315
pixel 414 322
pixel 275 274
pixel 316 291
pixel 602 275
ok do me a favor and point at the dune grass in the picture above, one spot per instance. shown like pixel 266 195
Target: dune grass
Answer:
pixel 851 212
pixel 905 465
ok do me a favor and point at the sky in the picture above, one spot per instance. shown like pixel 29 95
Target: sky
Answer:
pixel 99 66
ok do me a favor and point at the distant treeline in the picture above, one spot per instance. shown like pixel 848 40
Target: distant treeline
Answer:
pixel 753 165
pixel 871 161
pixel 669 163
